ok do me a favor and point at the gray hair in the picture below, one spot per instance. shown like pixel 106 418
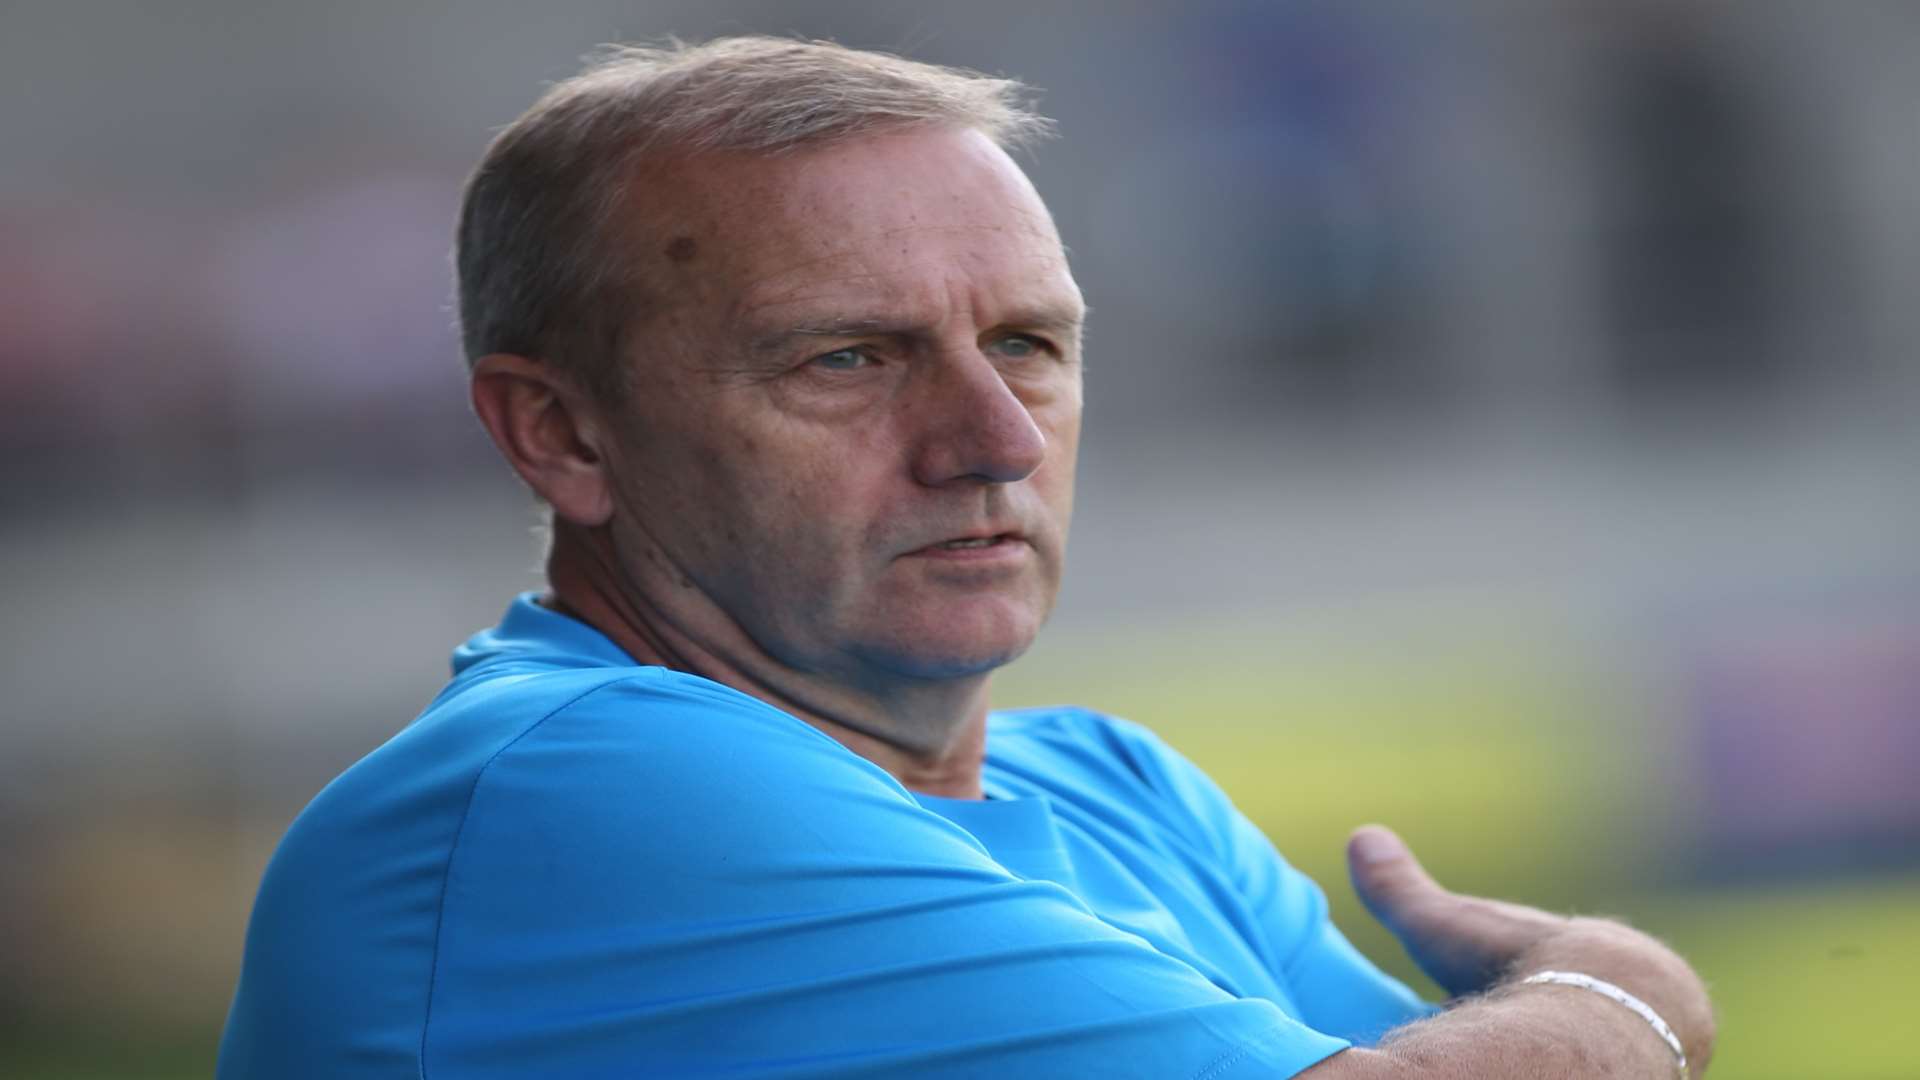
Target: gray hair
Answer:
pixel 538 256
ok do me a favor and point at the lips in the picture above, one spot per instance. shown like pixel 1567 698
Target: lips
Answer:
pixel 976 541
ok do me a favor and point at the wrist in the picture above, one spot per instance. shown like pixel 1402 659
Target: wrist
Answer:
pixel 1638 965
pixel 1654 1021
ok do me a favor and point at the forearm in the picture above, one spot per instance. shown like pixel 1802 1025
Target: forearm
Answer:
pixel 1550 1031
pixel 1534 1033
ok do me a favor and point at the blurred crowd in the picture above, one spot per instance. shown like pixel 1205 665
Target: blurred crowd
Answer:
pixel 226 257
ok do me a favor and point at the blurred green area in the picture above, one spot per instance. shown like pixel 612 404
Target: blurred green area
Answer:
pixel 1514 773
pixel 1517 766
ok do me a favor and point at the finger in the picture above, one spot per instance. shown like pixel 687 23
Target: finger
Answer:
pixel 1390 881
pixel 1462 942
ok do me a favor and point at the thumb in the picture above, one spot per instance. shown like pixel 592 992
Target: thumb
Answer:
pixel 1463 943
pixel 1390 881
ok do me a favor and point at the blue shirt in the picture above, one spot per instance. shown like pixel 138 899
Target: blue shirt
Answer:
pixel 573 866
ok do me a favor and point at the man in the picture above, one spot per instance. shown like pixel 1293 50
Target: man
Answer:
pixel 790 346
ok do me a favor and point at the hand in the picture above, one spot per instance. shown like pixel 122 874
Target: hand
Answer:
pixel 1470 945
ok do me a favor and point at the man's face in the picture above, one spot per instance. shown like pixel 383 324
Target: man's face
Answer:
pixel 856 406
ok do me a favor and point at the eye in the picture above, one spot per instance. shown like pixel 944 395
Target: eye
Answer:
pixel 1021 346
pixel 848 359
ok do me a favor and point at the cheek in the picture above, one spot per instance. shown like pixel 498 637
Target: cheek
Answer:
pixel 698 494
pixel 1061 425
pixel 1056 407
pixel 803 507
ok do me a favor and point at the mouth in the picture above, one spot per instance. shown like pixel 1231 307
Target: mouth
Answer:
pixel 978 545
pixel 973 542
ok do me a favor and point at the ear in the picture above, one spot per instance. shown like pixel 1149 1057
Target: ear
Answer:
pixel 546 430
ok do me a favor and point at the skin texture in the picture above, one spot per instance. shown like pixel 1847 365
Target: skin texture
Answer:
pixel 860 351
pixel 854 353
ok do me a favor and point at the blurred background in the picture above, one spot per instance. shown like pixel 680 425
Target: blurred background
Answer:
pixel 1501 425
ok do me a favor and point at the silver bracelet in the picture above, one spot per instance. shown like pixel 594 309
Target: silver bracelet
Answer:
pixel 1608 990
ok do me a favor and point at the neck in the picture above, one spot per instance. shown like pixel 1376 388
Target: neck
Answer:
pixel 929 734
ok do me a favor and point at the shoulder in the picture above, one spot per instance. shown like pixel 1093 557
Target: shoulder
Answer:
pixel 545 689
pixel 665 771
pixel 523 808
pixel 581 745
pixel 647 718
pixel 586 747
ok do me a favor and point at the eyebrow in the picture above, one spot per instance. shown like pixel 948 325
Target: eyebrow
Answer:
pixel 837 327
pixel 1057 320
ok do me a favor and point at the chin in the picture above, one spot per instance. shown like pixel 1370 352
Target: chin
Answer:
pixel 941 668
pixel 949 652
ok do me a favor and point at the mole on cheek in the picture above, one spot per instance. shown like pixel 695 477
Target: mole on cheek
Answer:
pixel 683 249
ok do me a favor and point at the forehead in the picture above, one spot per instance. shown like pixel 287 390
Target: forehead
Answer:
pixel 900 218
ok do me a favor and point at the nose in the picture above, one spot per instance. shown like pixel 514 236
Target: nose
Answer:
pixel 973 426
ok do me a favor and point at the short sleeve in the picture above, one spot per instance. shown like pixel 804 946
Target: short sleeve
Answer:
pixel 714 887
pixel 1337 990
